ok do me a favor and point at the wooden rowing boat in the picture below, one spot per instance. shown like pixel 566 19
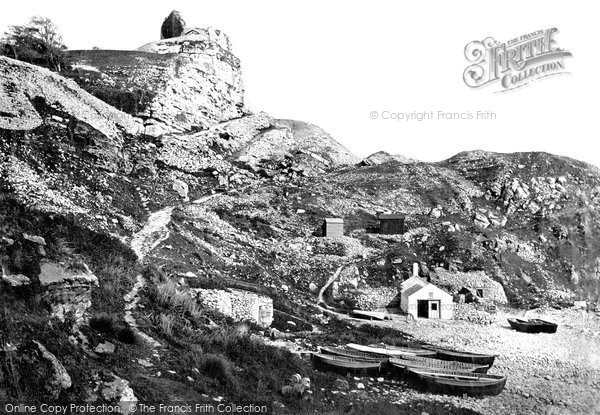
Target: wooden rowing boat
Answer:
pixel 532 325
pixel 418 362
pixel 372 315
pixel 459 382
pixel 355 354
pixel 391 351
pixel 465 357
pixel 547 326
pixel 345 362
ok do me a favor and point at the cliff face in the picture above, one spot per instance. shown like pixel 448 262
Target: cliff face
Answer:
pixel 179 84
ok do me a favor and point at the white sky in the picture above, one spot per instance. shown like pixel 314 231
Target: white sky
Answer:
pixel 333 62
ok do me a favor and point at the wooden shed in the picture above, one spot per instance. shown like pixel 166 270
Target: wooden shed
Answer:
pixel 333 227
pixel 391 224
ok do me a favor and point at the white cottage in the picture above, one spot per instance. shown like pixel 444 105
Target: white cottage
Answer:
pixel 424 300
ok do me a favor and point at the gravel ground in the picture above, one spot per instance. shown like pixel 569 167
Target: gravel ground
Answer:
pixel 547 373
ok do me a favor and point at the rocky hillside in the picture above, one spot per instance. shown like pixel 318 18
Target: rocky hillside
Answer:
pixel 113 216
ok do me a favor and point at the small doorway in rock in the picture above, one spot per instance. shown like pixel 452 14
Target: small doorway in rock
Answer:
pixel 467 293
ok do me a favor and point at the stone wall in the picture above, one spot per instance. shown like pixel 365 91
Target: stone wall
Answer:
pixel 238 304
pixel 373 299
pixel 474 313
pixel 194 81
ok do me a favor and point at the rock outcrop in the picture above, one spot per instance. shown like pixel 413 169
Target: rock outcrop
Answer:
pixel 181 84
pixel 23 87
pixel 66 292
pixel 60 379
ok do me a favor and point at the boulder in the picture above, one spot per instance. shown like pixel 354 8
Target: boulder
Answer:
pixel 15 280
pixel 60 379
pixel 342 384
pixel 181 188
pixel 118 392
pixel 105 348
pixel 66 291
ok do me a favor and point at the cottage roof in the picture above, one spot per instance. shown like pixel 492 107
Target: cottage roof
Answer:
pixel 390 216
pixel 334 220
pixel 412 289
pixel 427 287
pixel 415 279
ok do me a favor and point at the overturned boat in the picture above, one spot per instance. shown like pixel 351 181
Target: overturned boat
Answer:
pixel 370 315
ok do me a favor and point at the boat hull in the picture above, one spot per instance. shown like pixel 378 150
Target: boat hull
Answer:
pixel 532 326
pixel 342 362
pixel 355 354
pixel 427 363
pixel 547 326
pixel 464 357
pixel 370 315
pixel 455 383
pixel 391 351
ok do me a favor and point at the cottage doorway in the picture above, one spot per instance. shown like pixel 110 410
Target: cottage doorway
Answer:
pixel 423 309
pixel 428 308
pixel 434 309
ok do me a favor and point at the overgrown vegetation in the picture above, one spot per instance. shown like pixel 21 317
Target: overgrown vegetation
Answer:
pixel 38 42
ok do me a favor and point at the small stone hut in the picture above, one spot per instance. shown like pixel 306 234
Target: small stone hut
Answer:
pixel 333 227
pixel 391 224
pixel 239 304
pixel 474 285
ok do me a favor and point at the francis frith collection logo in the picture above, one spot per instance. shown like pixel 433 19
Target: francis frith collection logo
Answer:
pixel 515 63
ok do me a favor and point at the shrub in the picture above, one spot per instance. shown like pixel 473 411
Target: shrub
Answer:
pixel 166 323
pixel 126 334
pixel 218 367
pixel 114 326
pixel 170 297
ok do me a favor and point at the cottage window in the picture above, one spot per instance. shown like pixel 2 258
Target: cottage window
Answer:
pixel 480 292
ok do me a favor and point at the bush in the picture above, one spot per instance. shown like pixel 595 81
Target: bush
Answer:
pixel 114 326
pixel 170 297
pixel 218 367
pixel 166 323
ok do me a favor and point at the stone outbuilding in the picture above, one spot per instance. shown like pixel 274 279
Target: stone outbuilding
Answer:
pixel 238 304
pixel 424 300
pixel 474 285
pixel 333 227
pixel 391 224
